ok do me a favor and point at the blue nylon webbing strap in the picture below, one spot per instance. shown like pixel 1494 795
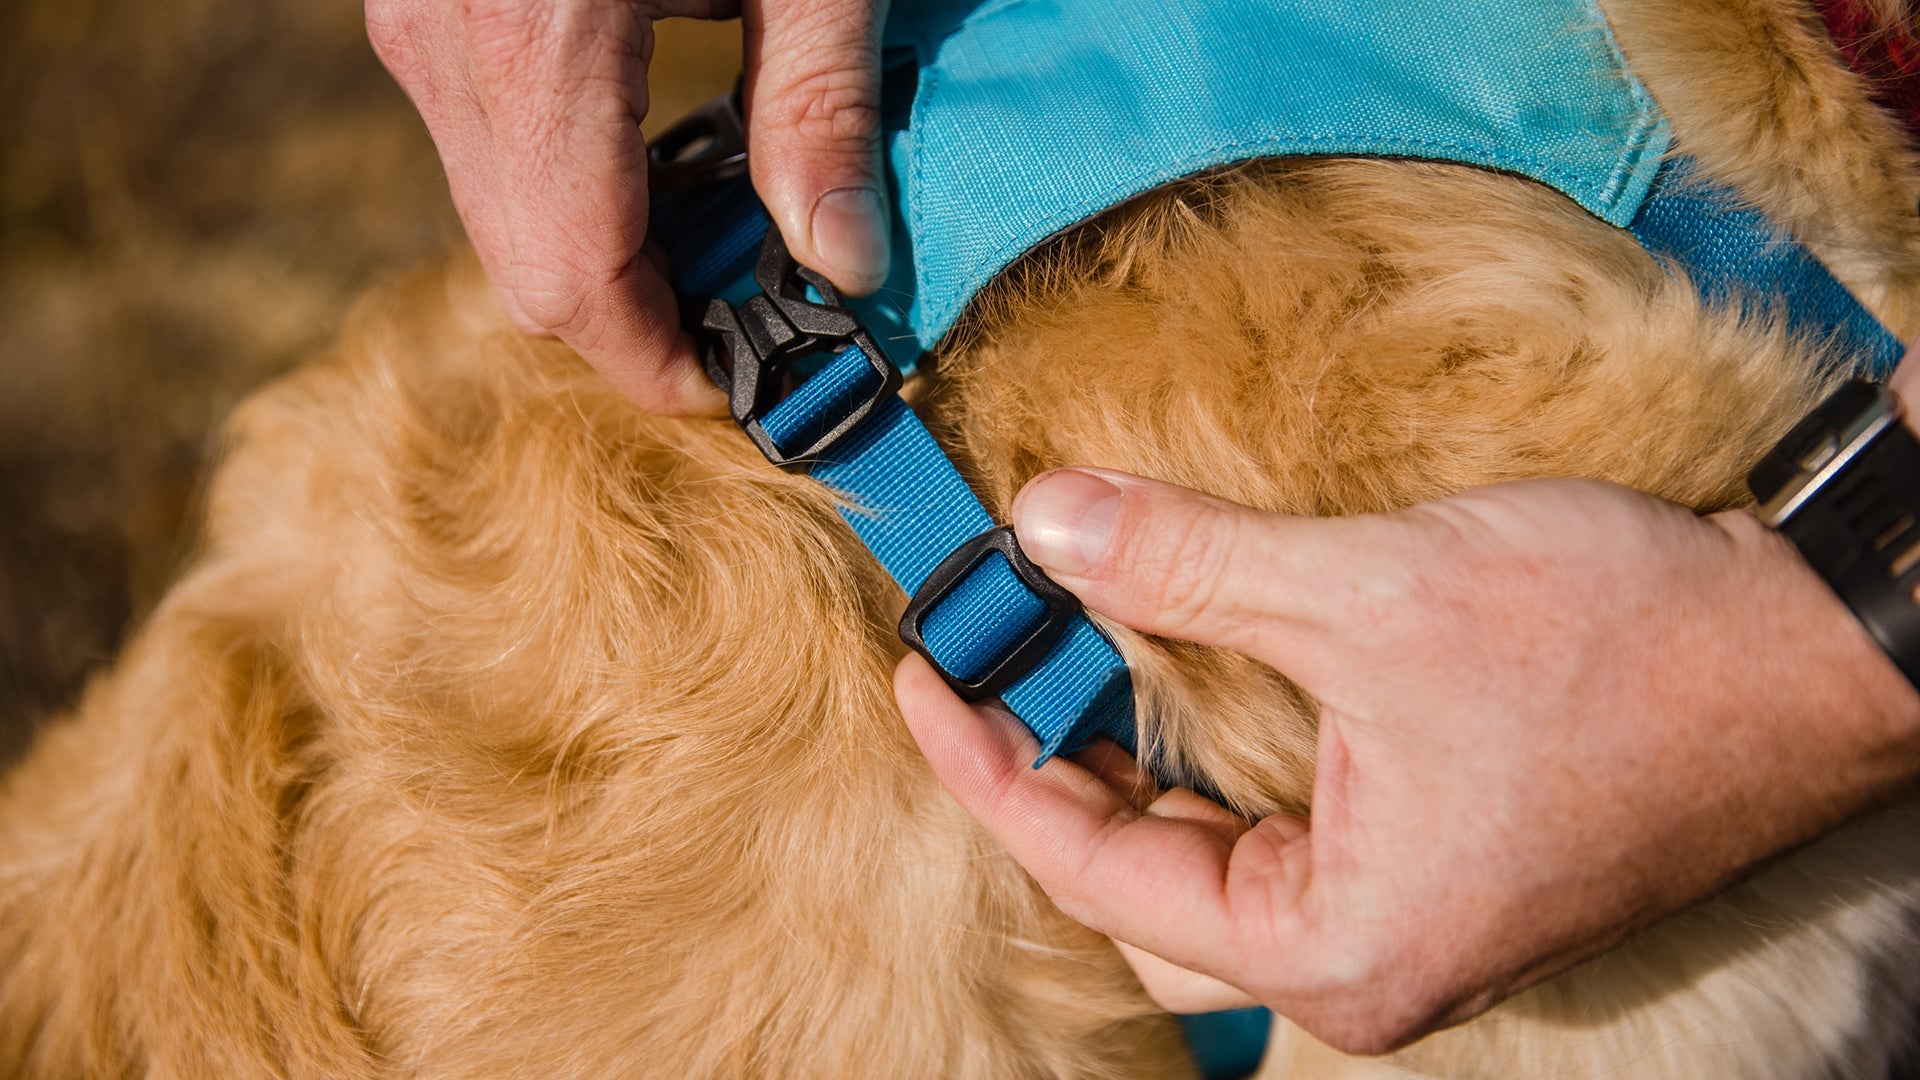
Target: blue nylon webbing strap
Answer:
pixel 910 506
pixel 1735 255
pixel 711 233
pixel 990 594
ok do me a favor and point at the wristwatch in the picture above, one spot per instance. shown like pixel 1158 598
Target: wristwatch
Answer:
pixel 1844 486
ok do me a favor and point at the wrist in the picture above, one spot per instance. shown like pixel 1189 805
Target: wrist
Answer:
pixel 1841 487
pixel 1823 565
pixel 1875 709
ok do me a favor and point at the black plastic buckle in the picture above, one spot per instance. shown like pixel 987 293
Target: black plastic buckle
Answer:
pixel 1061 605
pixel 749 352
pixel 706 146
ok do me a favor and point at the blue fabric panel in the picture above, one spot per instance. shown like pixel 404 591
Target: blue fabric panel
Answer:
pixel 1033 115
pixel 911 508
pixel 1735 255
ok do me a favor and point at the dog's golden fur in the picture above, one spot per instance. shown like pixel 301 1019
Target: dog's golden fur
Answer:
pixel 504 729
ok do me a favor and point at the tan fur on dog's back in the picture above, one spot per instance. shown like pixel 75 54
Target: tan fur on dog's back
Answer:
pixel 504 729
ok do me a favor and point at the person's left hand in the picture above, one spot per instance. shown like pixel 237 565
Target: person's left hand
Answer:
pixel 535 107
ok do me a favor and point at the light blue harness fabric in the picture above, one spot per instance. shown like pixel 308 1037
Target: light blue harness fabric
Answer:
pixel 1033 115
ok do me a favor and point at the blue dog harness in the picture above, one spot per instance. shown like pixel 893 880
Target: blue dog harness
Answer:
pixel 1009 121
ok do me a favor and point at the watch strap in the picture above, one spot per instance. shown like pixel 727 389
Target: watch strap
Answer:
pixel 1850 501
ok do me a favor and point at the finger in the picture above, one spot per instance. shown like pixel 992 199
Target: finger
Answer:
pixel 1178 990
pixel 564 90
pixel 1197 810
pixel 813 133
pixel 1108 763
pixel 419 43
pixel 628 328
pixel 1167 884
pixel 1180 564
pixel 472 185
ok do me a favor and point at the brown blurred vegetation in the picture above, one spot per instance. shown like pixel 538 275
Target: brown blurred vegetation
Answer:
pixel 191 194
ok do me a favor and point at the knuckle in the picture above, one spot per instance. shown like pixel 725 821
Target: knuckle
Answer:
pixel 1389 595
pixel 833 105
pixel 1072 903
pixel 555 298
pixel 1176 564
pixel 1348 970
pixel 1183 562
pixel 1400 592
pixel 557 91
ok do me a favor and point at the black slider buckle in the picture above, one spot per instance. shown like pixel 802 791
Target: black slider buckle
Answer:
pixel 1061 607
pixel 706 146
pixel 750 352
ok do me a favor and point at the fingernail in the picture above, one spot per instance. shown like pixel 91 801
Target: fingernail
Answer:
pixel 1065 518
pixel 850 236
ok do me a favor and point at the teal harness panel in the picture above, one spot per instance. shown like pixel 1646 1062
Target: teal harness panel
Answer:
pixel 1034 115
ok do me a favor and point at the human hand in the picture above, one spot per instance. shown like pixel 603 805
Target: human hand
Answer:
pixel 1551 713
pixel 535 107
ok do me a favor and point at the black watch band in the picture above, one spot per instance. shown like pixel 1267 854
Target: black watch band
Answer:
pixel 1844 486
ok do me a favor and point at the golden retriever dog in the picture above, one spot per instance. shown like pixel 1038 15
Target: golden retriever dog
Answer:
pixel 503 729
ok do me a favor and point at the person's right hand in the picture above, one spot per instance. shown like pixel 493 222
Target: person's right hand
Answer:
pixel 1551 713
pixel 535 107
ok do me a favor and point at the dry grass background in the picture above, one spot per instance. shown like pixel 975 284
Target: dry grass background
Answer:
pixel 191 194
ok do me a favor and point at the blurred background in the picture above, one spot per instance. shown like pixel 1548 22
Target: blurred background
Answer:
pixel 191 195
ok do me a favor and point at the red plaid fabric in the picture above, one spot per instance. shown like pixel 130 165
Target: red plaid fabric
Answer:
pixel 1888 57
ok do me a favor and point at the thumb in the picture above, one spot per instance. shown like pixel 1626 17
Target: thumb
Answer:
pixel 1182 879
pixel 813 132
pixel 1180 564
